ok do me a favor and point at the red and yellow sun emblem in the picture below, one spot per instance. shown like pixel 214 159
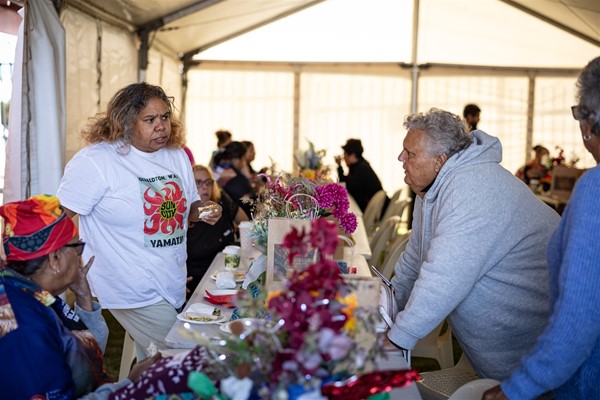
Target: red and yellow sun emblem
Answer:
pixel 166 209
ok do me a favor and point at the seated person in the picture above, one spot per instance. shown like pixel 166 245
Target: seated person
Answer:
pixel 223 139
pixel 476 254
pixel 536 168
pixel 361 182
pixel 204 241
pixel 231 163
pixel 47 349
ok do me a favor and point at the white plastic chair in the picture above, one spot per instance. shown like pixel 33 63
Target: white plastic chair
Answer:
pixel 396 208
pixel 440 385
pixel 127 356
pixel 474 389
pixel 372 214
pixel 391 258
pixel 382 238
pixel 437 346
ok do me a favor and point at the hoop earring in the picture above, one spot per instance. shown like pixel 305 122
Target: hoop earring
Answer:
pixel 586 138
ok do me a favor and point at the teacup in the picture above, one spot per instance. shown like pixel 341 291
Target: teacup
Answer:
pixel 232 257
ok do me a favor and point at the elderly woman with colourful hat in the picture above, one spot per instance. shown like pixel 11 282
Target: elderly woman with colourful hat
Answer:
pixel 47 349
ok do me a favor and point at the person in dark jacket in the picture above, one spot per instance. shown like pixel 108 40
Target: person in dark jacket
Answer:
pixel 361 181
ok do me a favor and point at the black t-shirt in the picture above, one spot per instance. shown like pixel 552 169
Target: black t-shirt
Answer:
pixel 204 241
pixel 239 187
pixel 361 182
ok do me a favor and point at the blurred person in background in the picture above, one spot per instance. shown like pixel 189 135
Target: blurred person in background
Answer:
pixel 471 114
pixel 232 161
pixel 361 181
pixel 223 139
pixel 204 241
pixel 537 167
pixel 566 359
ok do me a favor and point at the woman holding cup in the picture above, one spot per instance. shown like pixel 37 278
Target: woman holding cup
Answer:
pixel 204 241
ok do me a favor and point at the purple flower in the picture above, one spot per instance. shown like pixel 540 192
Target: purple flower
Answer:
pixel 348 222
pixel 309 360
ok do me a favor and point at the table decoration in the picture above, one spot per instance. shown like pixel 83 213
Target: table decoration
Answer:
pixel 294 198
pixel 313 331
pixel 310 163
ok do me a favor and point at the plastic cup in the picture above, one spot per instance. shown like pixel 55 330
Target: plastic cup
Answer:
pixel 232 257
pixel 246 240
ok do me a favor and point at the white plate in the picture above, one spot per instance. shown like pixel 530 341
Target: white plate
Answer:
pixel 238 276
pixel 246 321
pixel 182 317
pixel 200 309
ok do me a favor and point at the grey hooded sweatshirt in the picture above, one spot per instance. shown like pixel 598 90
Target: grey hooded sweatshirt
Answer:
pixel 476 256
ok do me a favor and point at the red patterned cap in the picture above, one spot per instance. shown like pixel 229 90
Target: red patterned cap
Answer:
pixel 35 227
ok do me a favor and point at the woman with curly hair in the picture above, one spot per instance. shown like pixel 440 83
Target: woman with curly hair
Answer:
pixel 134 191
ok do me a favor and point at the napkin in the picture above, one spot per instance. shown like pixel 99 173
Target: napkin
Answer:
pixel 225 280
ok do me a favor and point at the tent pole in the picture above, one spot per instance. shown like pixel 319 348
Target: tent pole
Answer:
pixel 415 66
pixel 530 113
pixel 296 139
pixel 415 91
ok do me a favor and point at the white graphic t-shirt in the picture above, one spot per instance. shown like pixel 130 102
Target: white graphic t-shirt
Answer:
pixel 133 211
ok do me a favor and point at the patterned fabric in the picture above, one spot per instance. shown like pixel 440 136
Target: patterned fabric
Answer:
pixel 166 378
pixel 8 322
pixel 35 227
pixel 62 359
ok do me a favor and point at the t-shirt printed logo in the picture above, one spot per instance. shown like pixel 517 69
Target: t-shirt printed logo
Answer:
pixel 165 209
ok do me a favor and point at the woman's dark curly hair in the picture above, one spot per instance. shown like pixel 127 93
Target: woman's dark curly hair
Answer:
pixel 119 119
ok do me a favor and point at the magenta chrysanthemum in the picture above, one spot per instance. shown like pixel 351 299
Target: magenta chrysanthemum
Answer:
pixel 348 222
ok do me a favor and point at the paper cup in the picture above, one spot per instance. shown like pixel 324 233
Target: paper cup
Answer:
pixel 232 257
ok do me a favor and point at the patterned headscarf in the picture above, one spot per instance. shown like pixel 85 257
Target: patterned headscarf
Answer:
pixel 35 227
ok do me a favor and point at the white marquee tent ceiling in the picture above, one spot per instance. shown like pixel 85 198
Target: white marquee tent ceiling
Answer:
pixel 186 27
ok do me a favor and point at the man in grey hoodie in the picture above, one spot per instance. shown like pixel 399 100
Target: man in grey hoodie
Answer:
pixel 477 251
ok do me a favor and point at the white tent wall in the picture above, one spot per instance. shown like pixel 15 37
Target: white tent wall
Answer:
pixel 164 72
pixel 103 59
pixel 253 105
pixel 370 102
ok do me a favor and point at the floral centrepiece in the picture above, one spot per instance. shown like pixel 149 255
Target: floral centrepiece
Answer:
pixel 550 162
pixel 302 198
pixel 324 331
pixel 317 330
pixel 310 159
pixel 310 163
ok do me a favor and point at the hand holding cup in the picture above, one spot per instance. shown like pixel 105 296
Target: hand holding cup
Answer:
pixel 209 212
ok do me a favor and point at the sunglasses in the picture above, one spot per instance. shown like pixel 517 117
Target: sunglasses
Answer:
pixel 81 244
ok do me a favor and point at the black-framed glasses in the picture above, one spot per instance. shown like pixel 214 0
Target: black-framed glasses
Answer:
pixel 207 182
pixel 579 113
pixel 81 244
